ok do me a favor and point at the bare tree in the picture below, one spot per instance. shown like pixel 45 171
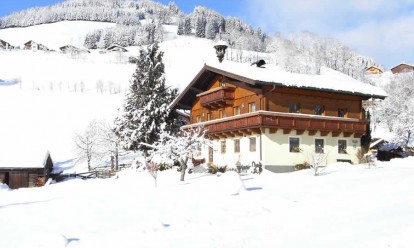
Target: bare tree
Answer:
pixel 181 148
pixel 109 142
pixel 87 144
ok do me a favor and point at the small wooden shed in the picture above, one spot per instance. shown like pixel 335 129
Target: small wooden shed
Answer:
pixel 26 170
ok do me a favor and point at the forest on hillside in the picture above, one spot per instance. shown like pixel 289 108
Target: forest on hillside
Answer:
pixel 140 22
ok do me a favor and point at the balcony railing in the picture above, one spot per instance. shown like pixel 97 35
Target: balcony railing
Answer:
pixel 217 97
pixel 286 121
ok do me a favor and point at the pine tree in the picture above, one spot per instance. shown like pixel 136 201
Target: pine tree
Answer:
pixel 146 107
pixel 200 27
pixel 187 26
pixel 180 30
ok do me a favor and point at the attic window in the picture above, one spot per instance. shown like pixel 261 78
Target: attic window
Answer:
pixel 342 112
pixel 294 108
pixel 319 109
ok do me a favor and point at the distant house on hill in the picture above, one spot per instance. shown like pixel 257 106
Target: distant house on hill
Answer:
pixel 34 46
pixel 116 48
pixel 5 45
pixel 69 49
pixel 26 170
pixel 254 114
pixel 402 68
pixel 373 70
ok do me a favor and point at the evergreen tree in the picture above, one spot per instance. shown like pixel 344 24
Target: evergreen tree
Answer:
pixel 180 30
pixel 200 27
pixel 146 107
pixel 187 26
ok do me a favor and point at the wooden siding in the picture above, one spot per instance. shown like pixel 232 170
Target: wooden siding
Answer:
pixel 277 100
pixel 217 97
pixel 22 178
pixel 19 179
pixel 402 68
pixel 280 98
pixel 242 97
pixel 253 122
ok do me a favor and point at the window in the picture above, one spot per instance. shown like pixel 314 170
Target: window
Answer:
pixel 210 154
pixel 294 108
pixel 252 144
pixel 236 110
pixel 237 146
pixel 294 144
pixel 222 114
pixel 223 146
pixel 342 147
pixel 198 118
pixel 209 117
pixel 319 109
pixel 252 107
pixel 342 112
pixel 319 145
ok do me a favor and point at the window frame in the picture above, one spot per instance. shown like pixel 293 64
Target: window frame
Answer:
pixel 250 105
pixel 251 144
pixel 222 113
pixel 223 147
pixel 323 145
pixel 291 149
pixel 345 112
pixel 236 143
pixel 236 110
pixel 342 150
pixel 319 107
pixel 296 108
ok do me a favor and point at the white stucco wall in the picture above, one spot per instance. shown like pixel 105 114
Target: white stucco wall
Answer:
pixel 275 147
pixel 230 158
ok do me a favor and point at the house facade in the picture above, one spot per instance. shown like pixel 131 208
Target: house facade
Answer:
pixel 402 68
pixel 5 45
pixel 373 70
pixel 34 46
pixel 274 117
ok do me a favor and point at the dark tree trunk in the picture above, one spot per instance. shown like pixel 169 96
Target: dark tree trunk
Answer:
pixel 183 168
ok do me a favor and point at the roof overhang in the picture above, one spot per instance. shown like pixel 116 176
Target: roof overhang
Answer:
pixel 203 79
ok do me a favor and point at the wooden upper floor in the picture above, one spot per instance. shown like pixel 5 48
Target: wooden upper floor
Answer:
pixel 227 103
pixel 225 99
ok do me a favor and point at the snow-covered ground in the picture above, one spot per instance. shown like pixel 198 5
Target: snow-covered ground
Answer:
pixel 346 206
pixel 45 98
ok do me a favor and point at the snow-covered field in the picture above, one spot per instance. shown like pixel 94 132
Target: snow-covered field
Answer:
pixel 45 98
pixel 346 206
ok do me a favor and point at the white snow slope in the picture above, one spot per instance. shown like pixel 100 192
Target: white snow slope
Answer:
pixel 346 206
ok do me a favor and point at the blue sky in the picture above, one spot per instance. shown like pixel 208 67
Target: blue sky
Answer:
pixel 380 29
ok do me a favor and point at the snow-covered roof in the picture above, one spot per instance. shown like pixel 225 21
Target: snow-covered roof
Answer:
pixel 33 158
pixel 376 143
pixel 328 80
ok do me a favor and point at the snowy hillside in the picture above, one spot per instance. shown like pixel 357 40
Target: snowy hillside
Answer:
pixel 348 206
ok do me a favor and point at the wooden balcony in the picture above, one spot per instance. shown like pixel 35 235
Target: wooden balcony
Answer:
pixel 254 122
pixel 217 98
